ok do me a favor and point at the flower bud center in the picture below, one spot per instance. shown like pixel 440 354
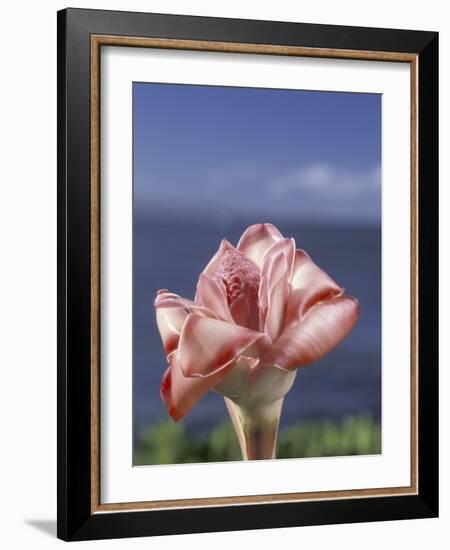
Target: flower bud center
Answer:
pixel 239 275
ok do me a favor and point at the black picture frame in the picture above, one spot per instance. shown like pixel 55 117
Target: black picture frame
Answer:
pixel 76 521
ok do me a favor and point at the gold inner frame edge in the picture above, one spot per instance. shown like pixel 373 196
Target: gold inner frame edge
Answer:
pixel 97 41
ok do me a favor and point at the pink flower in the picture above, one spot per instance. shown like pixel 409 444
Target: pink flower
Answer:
pixel 261 310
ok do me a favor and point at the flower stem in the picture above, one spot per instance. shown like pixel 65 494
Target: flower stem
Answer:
pixel 256 428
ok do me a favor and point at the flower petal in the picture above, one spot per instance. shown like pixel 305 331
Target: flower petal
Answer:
pixel 234 383
pixel 211 268
pixel 171 313
pixel 166 299
pixel 212 295
pixel 308 285
pixel 165 388
pixel 268 383
pixel 170 321
pixel 240 312
pixel 274 289
pixel 179 392
pixel 208 346
pixel 257 239
pixel 287 246
pixel 322 329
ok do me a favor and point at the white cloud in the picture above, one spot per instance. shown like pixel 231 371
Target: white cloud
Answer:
pixel 316 193
pixel 326 182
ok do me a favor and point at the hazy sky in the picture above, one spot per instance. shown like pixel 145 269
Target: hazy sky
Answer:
pixel 230 153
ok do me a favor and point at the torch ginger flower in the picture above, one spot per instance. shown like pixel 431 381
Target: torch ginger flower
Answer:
pixel 261 310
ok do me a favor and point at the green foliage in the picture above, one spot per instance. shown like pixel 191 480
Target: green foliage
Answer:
pixel 169 443
pixel 358 435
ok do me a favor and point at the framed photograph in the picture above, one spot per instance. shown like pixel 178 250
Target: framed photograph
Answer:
pixel 247 255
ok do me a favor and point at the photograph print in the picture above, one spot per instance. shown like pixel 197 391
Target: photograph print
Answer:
pixel 256 273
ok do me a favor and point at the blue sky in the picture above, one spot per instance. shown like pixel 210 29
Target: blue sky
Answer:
pixel 229 153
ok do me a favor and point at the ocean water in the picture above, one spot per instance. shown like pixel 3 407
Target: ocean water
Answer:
pixel 171 254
